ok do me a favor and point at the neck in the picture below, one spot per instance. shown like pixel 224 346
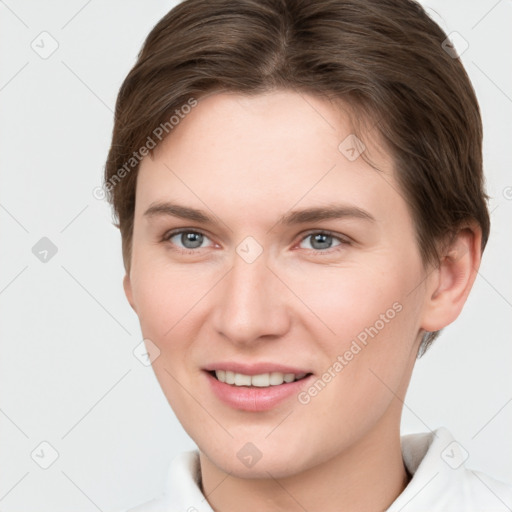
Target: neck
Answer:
pixel 370 475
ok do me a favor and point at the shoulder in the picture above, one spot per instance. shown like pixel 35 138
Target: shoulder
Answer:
pixel 487 493
pixel 182 491
pixel 150 506
pixel 442 481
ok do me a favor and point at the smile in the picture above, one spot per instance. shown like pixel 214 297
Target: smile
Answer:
pixel 255 393
pixel 261 380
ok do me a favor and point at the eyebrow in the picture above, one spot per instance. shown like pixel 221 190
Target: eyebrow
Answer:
pixel 313 214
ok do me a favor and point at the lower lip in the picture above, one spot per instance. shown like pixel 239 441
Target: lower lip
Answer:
pixel 255 399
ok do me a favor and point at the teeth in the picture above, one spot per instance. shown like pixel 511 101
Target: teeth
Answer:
pixel 262 380
pixel 242 380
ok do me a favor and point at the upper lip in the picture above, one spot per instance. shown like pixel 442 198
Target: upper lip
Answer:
pixel 254 368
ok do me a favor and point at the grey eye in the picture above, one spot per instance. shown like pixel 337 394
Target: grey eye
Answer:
pixel 321 241
pixel 189 239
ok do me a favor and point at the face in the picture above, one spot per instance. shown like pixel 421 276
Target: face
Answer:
pixel 253 286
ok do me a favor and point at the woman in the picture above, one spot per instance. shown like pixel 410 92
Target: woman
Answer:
pixel 299 191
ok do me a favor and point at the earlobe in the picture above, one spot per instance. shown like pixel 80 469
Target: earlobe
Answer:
pixel 451 282
pixel 127 285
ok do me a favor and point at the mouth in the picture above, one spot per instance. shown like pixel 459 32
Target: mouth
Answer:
pixel 256 393
pixel 262 380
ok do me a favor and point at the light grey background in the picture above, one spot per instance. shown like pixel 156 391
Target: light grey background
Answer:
pixel 67 372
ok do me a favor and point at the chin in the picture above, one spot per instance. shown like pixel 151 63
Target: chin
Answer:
pixel 258 458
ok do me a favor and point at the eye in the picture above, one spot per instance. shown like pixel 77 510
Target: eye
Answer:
pixel 322 241
pixel 188 239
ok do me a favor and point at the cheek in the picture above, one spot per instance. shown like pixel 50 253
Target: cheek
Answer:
pixel 165 296
pixel 366 367
pixel 333 301
pixel 347 300
pixel 366 325
pixel 165 303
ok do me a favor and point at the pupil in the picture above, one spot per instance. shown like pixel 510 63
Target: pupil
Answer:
pixel 195 239
pixel 323 239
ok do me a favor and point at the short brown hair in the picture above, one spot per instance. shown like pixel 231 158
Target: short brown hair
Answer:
pixel 384 58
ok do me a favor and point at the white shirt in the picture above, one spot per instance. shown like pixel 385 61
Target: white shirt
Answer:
pixel 440 481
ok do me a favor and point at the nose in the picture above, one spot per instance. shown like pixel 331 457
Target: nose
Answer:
pixel 251 303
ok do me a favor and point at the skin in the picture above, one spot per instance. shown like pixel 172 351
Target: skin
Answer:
pixel 247 161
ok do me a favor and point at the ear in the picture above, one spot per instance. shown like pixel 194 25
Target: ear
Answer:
pixel 127 285
pixel 448 286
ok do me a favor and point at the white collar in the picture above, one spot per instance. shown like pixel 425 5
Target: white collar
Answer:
pixel 440 482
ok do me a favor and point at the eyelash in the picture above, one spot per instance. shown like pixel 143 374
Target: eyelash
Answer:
pixel 343 241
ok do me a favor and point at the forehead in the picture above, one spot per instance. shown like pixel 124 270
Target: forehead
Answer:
pixel 274 149
pixel 280 119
